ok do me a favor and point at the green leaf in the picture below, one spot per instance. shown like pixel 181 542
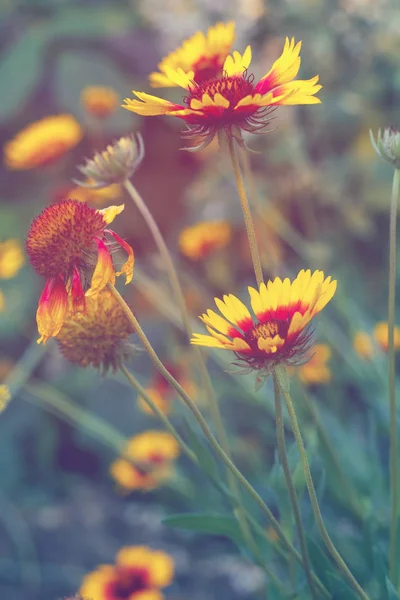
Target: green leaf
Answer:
pixel 207 524
pixel 391 590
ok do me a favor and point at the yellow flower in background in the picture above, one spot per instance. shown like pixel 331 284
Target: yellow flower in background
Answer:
pixel 42 142
pixel 316 370
pixel 5 397
pixel 232 99
pixel 11 258
pixel 138 574
pixel 98 197
pixel 200 240
pixel 381 335
pixel 363 344
pixel 146 462
pixel 99 101
pixel 283 311
pixel 204 55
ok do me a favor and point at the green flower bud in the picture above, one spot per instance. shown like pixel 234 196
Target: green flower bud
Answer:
pixel 387 145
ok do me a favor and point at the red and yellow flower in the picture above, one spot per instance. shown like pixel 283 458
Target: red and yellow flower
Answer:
pixel 201 240
pixel 381 335
pixel 99 101
pixel 68 245
pixel 203 55
pixel 146 462
pixel 283 311
pixel 139 573
pixel 42 143
pixel 316 369
pixel 232 99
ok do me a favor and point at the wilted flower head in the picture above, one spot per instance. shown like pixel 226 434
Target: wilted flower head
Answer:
pixel 283 311
pixel 98 336
pixel 204 55
pixel 42 143
pixel 68 245
pixel 198 241
pixel 387 145
pixel 11 258
pixel 138 574
pixel 99 101
pixel 231 100
pixel 146 462
pixel 116 164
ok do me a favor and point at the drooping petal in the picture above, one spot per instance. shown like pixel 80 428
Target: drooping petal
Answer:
pixel 111 212
pixel 104 270
pixel 52 309
pixel 127 267
pixel 77 293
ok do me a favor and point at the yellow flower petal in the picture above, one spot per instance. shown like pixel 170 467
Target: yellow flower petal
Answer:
pixel 111 212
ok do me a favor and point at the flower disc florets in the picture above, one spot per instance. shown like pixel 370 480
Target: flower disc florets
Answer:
pixel 116 164
pixel 283 311
pixel 68 245
pixel 97 337
pixel 387 145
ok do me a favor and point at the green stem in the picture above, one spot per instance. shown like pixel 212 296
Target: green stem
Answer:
pixel 142 392
pixel 280 434
pixel 393 564
pixel 212 399
pixel 283 383
pixel 248 219
pixel 204 427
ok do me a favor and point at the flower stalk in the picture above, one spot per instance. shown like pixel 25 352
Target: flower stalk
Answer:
pixel 283 383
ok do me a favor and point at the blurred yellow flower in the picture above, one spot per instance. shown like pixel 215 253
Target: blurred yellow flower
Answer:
pixel 99 101
pixel 316 369
pixel 138 574
pixel 42 142
pixel 5 397
pixel 162 394
pixel 146 461
pixel 97 197
pixel 363 345
pixel 200 240
pixel 381 336
pixel 11 258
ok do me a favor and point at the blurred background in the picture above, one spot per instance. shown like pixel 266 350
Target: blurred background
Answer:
pixel 323 199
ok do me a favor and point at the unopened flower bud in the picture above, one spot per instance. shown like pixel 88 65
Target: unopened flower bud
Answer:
pixel 387 145
pixel 116 164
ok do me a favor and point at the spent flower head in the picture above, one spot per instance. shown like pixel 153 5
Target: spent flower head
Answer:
pixel 69 245
pixel 139 573
pixel 387 145
pixel 116 164
pixel 231 100
pixel 280 333
pixel 98 336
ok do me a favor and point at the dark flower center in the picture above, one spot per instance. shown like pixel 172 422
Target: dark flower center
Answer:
pixel 127 582
pixel 233 88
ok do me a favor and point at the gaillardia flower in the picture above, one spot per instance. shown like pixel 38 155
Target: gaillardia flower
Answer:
pixel 116 164
pixel 204 55
pixel 200 240
pixel 42 143
pixel 363 345
pixel 316 369
pixel 138 574
pixel 232 100
pixel 381 335
pixel 11 258
pixel 68 245
pixel 98 336
pixel 283 311
pixel 147 461
pixel 99 101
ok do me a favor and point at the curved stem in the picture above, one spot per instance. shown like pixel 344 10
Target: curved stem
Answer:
pixel 280 434
pixel 248 219
pixel 393 564
pixel 283 384
pixel 204 427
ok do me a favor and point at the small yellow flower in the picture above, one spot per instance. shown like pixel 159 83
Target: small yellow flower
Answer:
pixel 200 240
pixel 138 574
pixel 381 335
pixel 11 258
pixel 148 461
pixel 99 101
pixel 42 143
pixel 283 311
pixel 204 55
pixel 5 397
pixel 316 370
pixel 363 345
